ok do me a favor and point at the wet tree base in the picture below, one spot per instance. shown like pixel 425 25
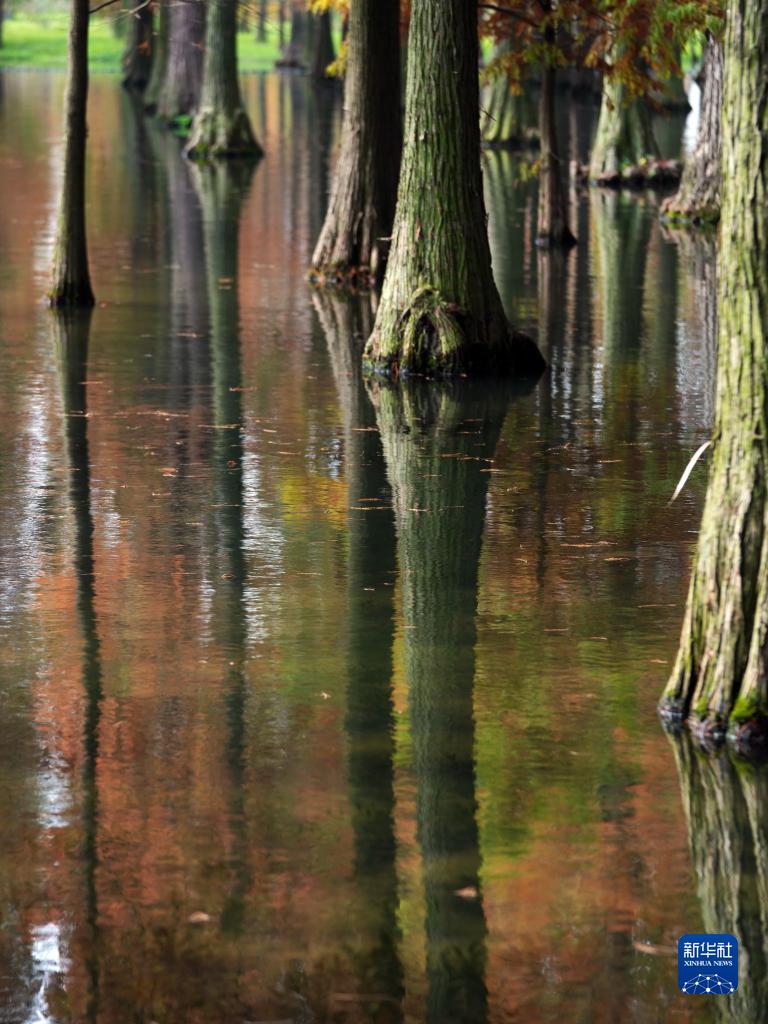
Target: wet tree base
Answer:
pixel 529 139
pixel 342 278
pixel 746 731
pixel 71 295
pixel 650 173
pixel 686 215
pixel 220 135
pixel 436 338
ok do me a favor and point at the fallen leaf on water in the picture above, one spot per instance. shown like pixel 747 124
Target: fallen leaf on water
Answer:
pixel 199 917
pixel 469 892
pixel 652 949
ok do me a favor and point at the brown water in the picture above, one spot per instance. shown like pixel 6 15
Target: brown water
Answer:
pixel 325 702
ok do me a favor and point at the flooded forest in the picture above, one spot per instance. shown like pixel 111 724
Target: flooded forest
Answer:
pixel 383 511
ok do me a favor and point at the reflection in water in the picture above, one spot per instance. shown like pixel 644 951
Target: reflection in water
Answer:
pixel 72 331
pixel 439 443
pixel 369 721
pixel 724 804
pixel 274 840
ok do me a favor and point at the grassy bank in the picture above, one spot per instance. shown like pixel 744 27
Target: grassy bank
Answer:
pixel 42 43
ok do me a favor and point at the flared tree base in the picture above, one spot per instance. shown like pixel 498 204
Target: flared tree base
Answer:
pixel 436 338
pixel 680 211
pixel 68 294
pixel 222 135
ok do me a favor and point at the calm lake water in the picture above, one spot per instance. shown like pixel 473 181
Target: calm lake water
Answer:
pixel 321 701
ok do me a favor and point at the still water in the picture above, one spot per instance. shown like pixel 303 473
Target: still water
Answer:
pixel 324 701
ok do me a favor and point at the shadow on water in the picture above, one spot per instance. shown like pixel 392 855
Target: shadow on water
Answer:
pixel 71 334
pixel 724 804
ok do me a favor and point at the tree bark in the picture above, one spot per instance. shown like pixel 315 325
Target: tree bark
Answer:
pixel 697 201
pixel 221 129
pixel 323 52
pixel 440 310
pixel 721 673
pixel 624 135
pixel 552 226
pixel 71 278
pixel 137 59
pixel 353 243
pixel 159 56
pixel 182 83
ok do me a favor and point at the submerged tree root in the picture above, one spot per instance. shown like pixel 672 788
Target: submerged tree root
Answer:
pixel 684 215
pixel 745 731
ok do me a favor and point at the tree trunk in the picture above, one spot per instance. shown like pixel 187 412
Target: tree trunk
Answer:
pixel 697 201
pixel 292 56
pixel 323 52
pixel 440 311
pixel 221 128
pixel 159 56
pixel 261 22
pixel 71 278
pixel 2 18
pixel 624 135
pixel 353 243
pixel 137 59
pixel 182 83
pixel 552 226
pixel 281 24
pixel 721 673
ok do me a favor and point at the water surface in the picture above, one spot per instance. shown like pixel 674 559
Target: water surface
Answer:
pixel 330 701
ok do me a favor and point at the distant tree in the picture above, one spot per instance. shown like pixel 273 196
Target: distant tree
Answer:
pixel 221 129
pixel 353 243
pixel 698 198
pixel 159 54
pixel 293 55
pixel 180 90
pixel 323 54
pixel 71 284
pixel 137 58
pixel 261 22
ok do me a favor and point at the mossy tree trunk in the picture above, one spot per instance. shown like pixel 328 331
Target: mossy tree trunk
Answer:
pixel 159 55
pixel 71 278
pixel 353 242
pixel 137 58
pixel 624 134
pixel 221 129
pixel 720 677
pixel 697 201
pixel 179 94
pixel 370 716
pixel 437 441
pixel 552 228
pixel 322 47
pixel 440 310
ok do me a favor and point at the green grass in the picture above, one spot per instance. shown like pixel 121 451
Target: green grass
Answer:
pixel 42 43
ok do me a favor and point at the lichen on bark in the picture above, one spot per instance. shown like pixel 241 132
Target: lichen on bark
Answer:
pixel 440 311
pixel 720 679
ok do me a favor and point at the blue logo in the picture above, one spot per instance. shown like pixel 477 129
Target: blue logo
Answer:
pixel 708 964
